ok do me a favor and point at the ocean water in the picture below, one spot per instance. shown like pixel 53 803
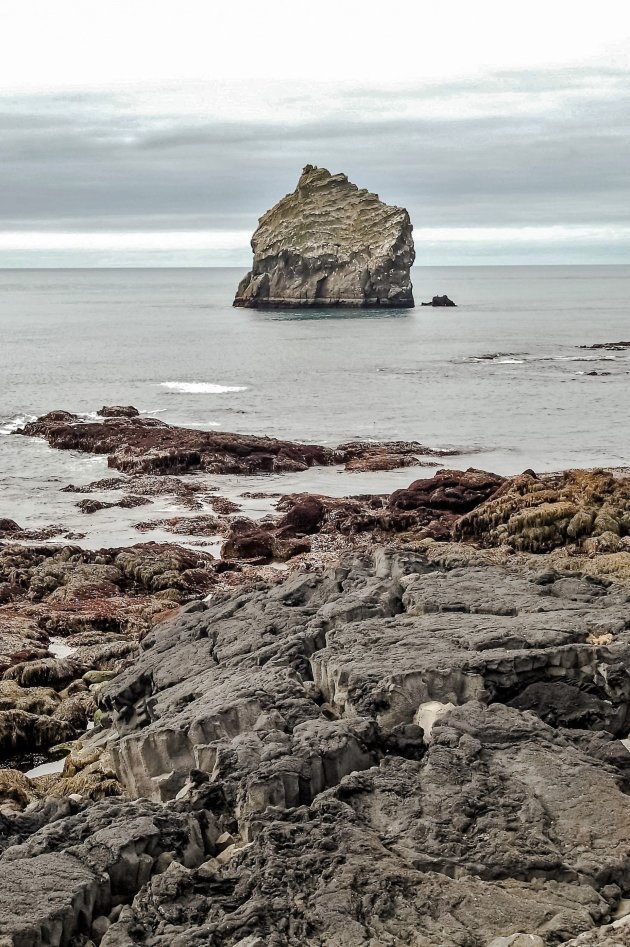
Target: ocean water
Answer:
pixel 169 342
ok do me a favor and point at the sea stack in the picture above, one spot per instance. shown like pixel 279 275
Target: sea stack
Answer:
pixel 329 243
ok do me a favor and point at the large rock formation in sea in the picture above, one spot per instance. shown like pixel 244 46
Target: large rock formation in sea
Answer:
pixel 328 243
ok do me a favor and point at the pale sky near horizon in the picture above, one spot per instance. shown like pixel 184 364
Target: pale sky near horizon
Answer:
pixel 153 132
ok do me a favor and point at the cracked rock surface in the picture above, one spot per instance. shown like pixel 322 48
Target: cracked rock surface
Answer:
pixel 329 243
pixel 393 751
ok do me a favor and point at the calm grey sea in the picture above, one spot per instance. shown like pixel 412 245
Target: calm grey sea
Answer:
pixel 169 342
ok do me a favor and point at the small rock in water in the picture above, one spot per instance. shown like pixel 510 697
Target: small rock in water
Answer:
pixel 118 411
pixel 608 346
pixel 330 244
pixel 440 301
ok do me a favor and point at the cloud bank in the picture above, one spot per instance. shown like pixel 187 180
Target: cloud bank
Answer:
pixel 517 166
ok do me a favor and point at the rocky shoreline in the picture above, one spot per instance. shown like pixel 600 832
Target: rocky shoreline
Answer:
pixel 378 719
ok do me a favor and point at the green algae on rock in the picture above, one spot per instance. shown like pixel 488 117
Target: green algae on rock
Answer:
pixel 586 508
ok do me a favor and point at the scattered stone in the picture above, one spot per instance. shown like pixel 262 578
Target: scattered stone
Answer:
pixel 127 503
pixel 188 493
pixel 223 505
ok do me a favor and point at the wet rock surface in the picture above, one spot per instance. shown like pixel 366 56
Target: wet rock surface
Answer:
pixel 145 447
pixel 408 748
pixel 149 446
pixel 364 455
pixel 330 244
pixel 320 524
pixel 118 411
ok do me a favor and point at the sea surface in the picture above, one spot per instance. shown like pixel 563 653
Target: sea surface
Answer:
pixel 169 342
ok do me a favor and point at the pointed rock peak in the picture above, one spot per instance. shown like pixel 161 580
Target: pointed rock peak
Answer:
pixel 312 176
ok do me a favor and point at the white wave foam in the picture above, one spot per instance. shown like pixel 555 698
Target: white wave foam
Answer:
pixel 511 361
pixel 11 425
pixel 89 416
pixel 200 387
pixel 580 358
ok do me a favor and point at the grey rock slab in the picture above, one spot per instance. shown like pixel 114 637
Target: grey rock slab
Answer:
pixel 380 636
pixel 283 720
pixel 72 870
pixel 470 845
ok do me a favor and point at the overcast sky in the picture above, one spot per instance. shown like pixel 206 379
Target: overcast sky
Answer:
pixel 139 133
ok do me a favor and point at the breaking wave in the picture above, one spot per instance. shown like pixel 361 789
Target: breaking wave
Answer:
pixel 200 387
pixel 11 425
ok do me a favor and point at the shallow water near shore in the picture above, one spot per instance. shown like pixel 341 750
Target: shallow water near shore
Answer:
pixel 502 377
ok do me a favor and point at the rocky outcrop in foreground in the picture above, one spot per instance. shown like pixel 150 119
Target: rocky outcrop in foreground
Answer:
pixel 330 244
pixel 141 445
pixel 399 750
pixel 147 445
pixel 587 510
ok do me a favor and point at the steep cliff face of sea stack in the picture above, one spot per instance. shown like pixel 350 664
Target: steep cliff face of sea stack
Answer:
pixel 328 243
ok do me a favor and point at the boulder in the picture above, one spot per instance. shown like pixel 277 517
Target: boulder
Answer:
pixel 330 244
pixel 440 301
pixel 118 411
pixel 453 491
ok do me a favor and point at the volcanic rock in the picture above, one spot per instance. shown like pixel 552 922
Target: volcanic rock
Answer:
pixel 141 445
pixel 187 493
pixel 452 491
pixel 201 525
pixel 100 602
pixel 282 794
pixel 387 455
pixel 330 244
pixel 282 718
pixel 118 411
pixel 146 445
pixel 440 301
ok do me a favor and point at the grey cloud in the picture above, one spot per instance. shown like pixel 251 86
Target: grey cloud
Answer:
pixel 90 161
